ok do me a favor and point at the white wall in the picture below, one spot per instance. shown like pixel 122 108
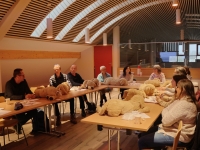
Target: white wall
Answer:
pixel 85 65
pixel 38 71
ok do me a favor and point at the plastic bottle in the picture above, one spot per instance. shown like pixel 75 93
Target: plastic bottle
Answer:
pixel 138 70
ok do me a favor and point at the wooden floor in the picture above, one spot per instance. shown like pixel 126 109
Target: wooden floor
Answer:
pixel 81 136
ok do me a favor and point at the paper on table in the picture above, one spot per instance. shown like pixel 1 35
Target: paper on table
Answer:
pixel 2 112
pixel 133 114
pixel 30 103
pixel 151 99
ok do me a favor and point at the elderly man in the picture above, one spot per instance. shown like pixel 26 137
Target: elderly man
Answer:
pixel 55 80
pixel 101 77
pixel 17 89
pixel 76 80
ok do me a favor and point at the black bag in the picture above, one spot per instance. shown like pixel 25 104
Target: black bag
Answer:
pixel 91 107
pixel 18 106
pixel 38 121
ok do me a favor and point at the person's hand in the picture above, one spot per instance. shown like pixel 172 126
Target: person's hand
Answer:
pixel 28 96
pixel 157 98
pixel 162 88
pixel 32 96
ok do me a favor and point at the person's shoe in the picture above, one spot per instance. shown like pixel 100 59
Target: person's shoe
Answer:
pixel 17 129
pixel 83 113
pixel 101 104
pixel 33 133
pixel 73 119
pixel 58 121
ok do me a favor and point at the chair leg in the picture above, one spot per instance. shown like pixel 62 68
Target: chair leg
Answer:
pixel 17 132
pixel 8 134
pixel 24 136
pixel 4 138
pixel 109 95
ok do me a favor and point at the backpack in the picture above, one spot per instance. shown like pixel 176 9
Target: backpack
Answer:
pixel 91 107
pixel 38 121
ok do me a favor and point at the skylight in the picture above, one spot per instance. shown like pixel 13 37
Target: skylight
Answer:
pixel 101 17
pixel 53 14
pixel 80 16
pixel 124 15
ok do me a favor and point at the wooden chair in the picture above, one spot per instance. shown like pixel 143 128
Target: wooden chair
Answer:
pixel 176 138
pixel 10 123
pixel 5 123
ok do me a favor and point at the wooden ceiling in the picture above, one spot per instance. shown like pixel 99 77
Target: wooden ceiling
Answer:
pixel 150 20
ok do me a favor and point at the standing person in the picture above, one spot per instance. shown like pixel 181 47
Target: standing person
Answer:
pixel 76 80
pixel 157 73
pixel 101 77
pixel 127 75
pixel 17 89
pixel 55 80
pixel 183 108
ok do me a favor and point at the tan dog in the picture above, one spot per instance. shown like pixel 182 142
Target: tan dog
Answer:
pixel 114 81
pixel 155 82
pixel 116 107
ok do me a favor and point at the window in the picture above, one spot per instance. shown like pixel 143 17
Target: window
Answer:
pixel 192 52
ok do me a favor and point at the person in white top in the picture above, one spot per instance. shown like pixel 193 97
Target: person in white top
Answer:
pixel 157 73
pixel 127 75
pixel 183 108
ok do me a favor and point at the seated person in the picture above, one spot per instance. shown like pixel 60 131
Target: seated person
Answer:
pixel 157 73
pixel 127 75
pixel 76 80
pixel 188 72
pixel 183 108
pixel 180 70
pixel 101 77
pixel 55 80
pixel 169 93
pixel 17 89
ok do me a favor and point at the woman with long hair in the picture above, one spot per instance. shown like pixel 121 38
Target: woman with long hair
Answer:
pixel 127 75
pixel 183 108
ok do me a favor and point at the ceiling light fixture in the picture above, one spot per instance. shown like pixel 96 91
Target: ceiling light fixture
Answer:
pixel 104 39
pixel 49 28
pixel 129 44
pixel 87 35
pixel 175 3
pixel 182 34
pixel 178 16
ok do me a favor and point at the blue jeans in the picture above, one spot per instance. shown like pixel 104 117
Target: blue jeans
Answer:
pixel 154 140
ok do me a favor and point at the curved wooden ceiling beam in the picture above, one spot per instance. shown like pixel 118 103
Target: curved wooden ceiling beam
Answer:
pixel 12 15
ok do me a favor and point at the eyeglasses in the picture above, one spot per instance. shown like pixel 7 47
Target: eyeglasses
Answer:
pixel 21 75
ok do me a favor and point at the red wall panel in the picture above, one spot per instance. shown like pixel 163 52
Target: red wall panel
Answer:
pixel 102 57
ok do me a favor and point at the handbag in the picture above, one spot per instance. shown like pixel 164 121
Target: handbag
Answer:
pixel 18 106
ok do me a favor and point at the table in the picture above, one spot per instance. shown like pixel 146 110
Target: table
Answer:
pixel 47 104
pixel 118 123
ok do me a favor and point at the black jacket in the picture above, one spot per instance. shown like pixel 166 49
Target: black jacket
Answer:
pixel 16 91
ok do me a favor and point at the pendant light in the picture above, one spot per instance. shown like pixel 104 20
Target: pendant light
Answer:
pixel 175 3
pixel 178 16
pixel 87 35
pixel 49 28
pixel 104 39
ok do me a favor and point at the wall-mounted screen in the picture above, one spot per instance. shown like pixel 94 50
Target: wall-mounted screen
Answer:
pixel 168 56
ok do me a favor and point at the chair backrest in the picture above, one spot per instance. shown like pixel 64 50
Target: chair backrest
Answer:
pixel 176 138
pixel 33 89
pixel 2 99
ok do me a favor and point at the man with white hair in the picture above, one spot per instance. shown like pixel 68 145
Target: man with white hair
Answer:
pixel 55 80
pixel 101 77
pixel 77 80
